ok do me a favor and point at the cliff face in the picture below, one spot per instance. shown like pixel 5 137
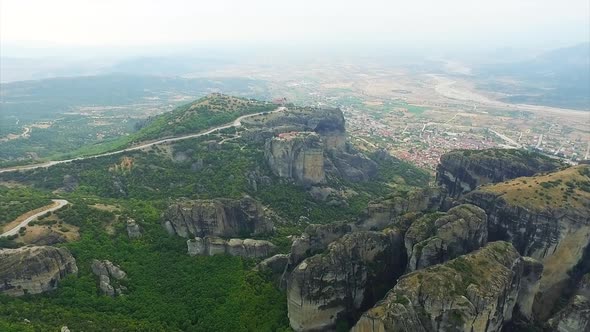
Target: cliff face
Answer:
pixel 438 237
pixel 546 217
pixel 383 212
pixel 315 239
pixel 462 171
pixel 306 145
pixel 109 275
pixel 211 246
pixel 298 156
pixel 324 121
pixel 475 292
pixel 576 314
pixel 351 275
pixel 218 217
pixel 33 270
pixel 352 165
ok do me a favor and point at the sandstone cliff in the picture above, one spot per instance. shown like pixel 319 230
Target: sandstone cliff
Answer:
pixel 109 277
pixel 218 217
pixel 461 171
pixel 32 270
pixel 298 156
pixel 275 265
pixel 352 166
pixel 352 274
pixel 475 292
pixel 133 229
pixel 437 237
pixel 211 245
pixel 546 217
pixel 315 239
pixel 576 314
pixel 327 122
pixel 383 212
pixel 307 144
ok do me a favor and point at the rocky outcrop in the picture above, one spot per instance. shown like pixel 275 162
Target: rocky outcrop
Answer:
pixel 349 276
pixel 109 277
pixel 438 237
pixel 353 166
pixel 383 212
pixel 545 217
pixel 316 238
pixel 308 144
pixel 133 229
pixel 275 264
pixel 576 314
pixel 298 156
pixel 475 292
pixel 255 178
pixel 461 171
pixel 33 270
pixel 327 122
pixel 218 217
pixel 211 246
pixel 529 287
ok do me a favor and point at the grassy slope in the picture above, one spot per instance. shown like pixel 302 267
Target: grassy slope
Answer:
pixel 209 111
pixel 568 188
pixel 168 290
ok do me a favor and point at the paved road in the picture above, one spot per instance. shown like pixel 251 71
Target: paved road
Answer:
pixel 60 203
pixel 236 123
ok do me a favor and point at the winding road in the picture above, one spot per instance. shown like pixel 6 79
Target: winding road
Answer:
pixel 60 203
pixel 236 123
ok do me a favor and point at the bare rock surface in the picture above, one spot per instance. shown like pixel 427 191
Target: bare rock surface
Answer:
pixel 437 237
pixel 33 270
pixel 349 276
pixel 218 217
pixel 212 245
pixel 474 292
pixel 109 277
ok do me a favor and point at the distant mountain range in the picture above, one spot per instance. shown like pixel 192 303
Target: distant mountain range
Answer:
pixel 558 78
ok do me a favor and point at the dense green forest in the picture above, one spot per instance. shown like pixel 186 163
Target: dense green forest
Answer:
pixel 168 290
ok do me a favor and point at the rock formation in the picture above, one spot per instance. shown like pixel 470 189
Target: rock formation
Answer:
pixel 352 165
pixel 529 287
pixel 316 238
pixel 576 314
pixel 133 229
pixel 461 171
pixel 308 144
pixel 351 275
pixel 109 275
pixel 327 122
pixel 33 270
pixel 275 264
pixel 383 212
pixel 218 217
pixel 437 237
pixel 298 156
pixel 546 217
pixel 475 292
pixel 211 245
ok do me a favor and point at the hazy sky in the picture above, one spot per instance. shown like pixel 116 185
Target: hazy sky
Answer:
pixel 150 22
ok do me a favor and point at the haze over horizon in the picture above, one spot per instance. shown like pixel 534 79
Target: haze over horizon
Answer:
pixel 39 28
